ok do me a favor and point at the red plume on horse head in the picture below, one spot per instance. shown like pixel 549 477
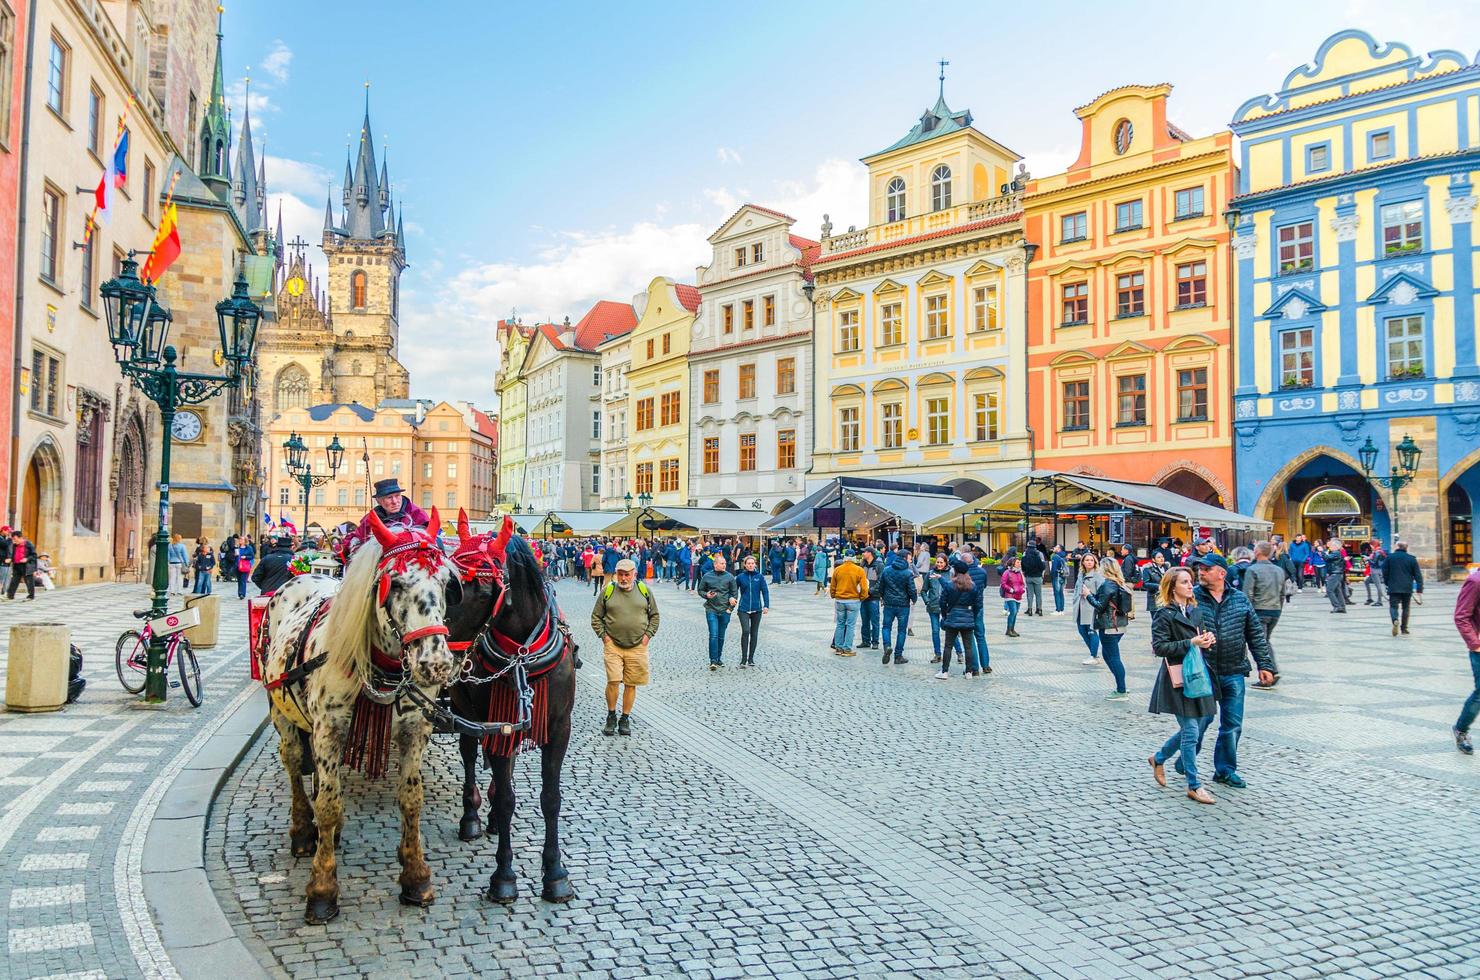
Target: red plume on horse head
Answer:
pixel 383 534
pixel 505 532
pixel 434 527
pixel 463 531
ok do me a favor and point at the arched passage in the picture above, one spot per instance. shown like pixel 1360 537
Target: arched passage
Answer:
pixel 129 548
pixel 41 497
pixel 782 508
pixel 1284 499
pixel 1193 486
pixel 1459 489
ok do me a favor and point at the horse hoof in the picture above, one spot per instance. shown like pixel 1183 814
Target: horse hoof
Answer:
pixel 471 828
pixel 502 890
pixel 320 911
pixel 558 890
pixel 421 896
pixel 303 845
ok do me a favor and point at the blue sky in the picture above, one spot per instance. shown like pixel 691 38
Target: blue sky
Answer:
pixel 548 155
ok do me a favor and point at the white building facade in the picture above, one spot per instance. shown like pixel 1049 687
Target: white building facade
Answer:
pixel 561 381
pixel 615 354
pixel 750 366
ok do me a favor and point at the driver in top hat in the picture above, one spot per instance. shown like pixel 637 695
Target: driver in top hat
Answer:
pixel 393 509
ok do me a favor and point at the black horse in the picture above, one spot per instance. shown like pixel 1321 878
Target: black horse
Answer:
pixel 503 614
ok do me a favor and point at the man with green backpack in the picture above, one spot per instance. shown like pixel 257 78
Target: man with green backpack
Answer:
pixel 625 618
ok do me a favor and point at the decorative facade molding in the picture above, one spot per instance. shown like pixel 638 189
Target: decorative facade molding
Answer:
pixel 1345 226
pixel 1460 208
pixel 1244 244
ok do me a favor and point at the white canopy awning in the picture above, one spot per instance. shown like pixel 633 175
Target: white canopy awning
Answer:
pixel 908 508
pixel 868 503
pixel 579 521
pixel 714 520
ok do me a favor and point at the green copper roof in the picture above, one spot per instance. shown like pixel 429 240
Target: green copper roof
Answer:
pixel 938 120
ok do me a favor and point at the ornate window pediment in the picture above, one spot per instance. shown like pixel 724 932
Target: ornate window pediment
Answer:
pixel 1403 289
pixel 1069 357
pixel 934 278
pixel 845 391
pixel 888 286
pixel 889 384
pixel 1129 349
pixel 1294 305
pixel 984 268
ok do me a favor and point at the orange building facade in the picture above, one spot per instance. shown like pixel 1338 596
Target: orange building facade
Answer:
pixel 1129 367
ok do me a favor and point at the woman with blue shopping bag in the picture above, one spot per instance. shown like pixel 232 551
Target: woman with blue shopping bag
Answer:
pixel 1183 686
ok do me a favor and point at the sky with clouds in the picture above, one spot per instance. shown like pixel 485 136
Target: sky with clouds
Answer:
pixel 545 156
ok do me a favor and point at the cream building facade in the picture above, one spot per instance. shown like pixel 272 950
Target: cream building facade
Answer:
pixel 513 396
pixel 658 378
pixel 616 357
pixel 750 363
pixel 920 338
pixel 561 379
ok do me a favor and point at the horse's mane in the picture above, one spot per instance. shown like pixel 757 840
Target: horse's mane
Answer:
pixel 526 584
pixel 351 627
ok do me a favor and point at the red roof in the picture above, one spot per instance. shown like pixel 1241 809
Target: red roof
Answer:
pixel 507 326
pixel 552 334
pixel 688 295
pixel 810 251
pixel 958 229
pixel 486 426
pixel 607 318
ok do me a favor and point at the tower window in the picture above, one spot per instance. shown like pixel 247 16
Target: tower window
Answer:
pixel 894 198
pixel 357 283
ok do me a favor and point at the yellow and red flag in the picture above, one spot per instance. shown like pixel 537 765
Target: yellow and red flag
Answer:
pixel 166 247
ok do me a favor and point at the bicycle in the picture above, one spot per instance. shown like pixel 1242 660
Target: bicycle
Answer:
pixel 132 660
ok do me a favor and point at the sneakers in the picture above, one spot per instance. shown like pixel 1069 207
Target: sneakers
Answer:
pixel 1232 779
pixel 847 653
pixel 1056 612
pixel 1117 696
pixel 935 659
pixel 1090 661
pixel 1395 629
pixel 901 660
pixel 942 676
pixel 713 666
pixel 624 726
pixel 986 670
pixel 886 657
pixel 1462 741
pixel 610 728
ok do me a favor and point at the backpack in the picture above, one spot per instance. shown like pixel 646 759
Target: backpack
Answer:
pixel 611 587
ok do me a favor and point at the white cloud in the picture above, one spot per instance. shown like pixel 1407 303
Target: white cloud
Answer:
pixel 257 101
pixel 726 155
pixel 277 61
pixel 307 180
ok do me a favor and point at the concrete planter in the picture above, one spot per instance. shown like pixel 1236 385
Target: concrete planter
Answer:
pixel 204 634
pixel 36 678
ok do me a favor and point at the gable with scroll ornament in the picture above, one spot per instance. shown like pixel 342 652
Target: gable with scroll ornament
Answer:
pixel 1404 289
pixel 1297 304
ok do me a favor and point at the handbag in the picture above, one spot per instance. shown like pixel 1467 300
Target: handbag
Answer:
pixel 244 565
pixel 1196 681
pixel 1174 672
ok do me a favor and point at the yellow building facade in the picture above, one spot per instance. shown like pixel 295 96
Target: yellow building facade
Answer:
pixel 658 383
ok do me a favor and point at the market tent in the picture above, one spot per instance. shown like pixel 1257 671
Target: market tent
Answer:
pixel 713 520
pixel 867 503
pixel 580 522
pixel 1076 490
pixel 907 508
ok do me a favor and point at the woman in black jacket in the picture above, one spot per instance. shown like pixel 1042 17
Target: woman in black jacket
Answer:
pixel 1178 622
pixel 960 602
pixel 1112 604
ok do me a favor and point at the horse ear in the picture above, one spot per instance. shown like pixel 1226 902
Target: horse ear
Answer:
pixel 462 524
pixel 381 532
pixel 505 532
pixel 435 526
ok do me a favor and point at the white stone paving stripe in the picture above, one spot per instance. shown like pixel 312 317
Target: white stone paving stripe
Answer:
pixel 123 768
pixel 80 975
pixel 20 808
pixel 35 939
pixel 103 786
pixel 54 862
pixel 46 896
pixel 141 751
pixel 86 809
pixel 20 780
pixel 51 835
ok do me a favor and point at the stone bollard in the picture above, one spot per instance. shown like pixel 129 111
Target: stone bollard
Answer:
pixel 204 634
pixel 36 678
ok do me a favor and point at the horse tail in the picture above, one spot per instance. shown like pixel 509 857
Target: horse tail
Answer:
pixel 351 626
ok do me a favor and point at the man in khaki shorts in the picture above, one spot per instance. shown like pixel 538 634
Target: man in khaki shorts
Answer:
pixel 626 618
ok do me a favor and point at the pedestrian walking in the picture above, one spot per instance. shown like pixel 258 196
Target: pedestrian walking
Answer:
pixel 1467 621
pixel 1264 584
pixel 1317 562
pixel 717 589
pixel 1011 589
pixel 1299 557
pixel 789 555
pixel 978 573
pixel 755 602
pixel 625 619
pixel 820 563
pixel 1033 566
pixel 959 601
pixel 1176 626
pixel 1238 632
pixel 272 572
pixel 23 563
pixel 1112 602
pixel 1404 585
pixel 1058 571
pixel 1084 611
pixel 204 562
pixel 179 561
pixel 849 586
pixel 246 554
pixel 868 610
pixel 1151 575
pixel 5 544
pixel 897 593
pixel 1375 578
pixel 937 579
pixel 1334 562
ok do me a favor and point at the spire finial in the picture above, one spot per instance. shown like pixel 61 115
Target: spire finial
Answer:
pixel 943 63
pixel 367 97
pixel 220 16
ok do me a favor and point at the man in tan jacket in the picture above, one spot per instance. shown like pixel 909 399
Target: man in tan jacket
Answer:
pixel 625 617
pixel 849 589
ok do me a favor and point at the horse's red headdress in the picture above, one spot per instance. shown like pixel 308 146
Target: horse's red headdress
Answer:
pixel 482 555
pixel 403 548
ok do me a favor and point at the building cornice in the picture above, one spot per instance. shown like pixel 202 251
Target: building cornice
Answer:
pixel 1035 200
pixel 1005 235
pixel 777 339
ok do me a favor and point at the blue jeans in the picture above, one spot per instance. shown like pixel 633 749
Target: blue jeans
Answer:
pixel 1110 648
pixel 983 654
pixel 1058 595
pixel 1472 703
pixel 202 583
pixel 718 623
pixel 1186 742
pixel 241 584
pixel 845 614
pixel 1229 690
pixel 1090 638
pixel 1012 606
pixel 898 616
pixel 868 611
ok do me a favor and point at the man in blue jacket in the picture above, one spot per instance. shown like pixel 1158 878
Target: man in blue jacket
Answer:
pixel 979 576
pixel 1058 571
pixel 1230 616
pixel 1299 555
pixel 896 594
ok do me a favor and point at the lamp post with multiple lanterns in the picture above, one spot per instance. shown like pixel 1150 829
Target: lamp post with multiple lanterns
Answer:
pixel 1409 454
pixel 645 502
pixel 138 328
pixel 302 472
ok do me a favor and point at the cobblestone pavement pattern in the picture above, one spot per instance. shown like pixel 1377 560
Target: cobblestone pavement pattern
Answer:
pixel 823 817
pixel 78 786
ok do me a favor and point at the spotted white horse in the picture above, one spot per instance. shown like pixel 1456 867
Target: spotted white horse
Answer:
pixel 342 658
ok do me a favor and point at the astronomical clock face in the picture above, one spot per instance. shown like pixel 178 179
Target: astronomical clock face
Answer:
pixel 295 286
pixel 187 427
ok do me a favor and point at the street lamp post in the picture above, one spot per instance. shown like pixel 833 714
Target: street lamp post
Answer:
pixel 300 470
pixel 138 328
pixel 1409 454
pixel 645 503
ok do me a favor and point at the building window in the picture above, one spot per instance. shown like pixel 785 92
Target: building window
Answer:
pixel 711 454
pixel 937 317
pixel 848 331
pixel 1405 346
pixel 644 414
pixel 56 76
pixel 747 314
pixel 596 424
pixel 1076 303
pixel 668 476
pixel 747 452
pixel 666 343
pixel 1124 133
pixel 893 425
pixel 940 188
pixel 51 229
pixel 595 479
pixel 757 253
pixel 1318 158
pixel 650 349
pixel 342 497
pixel 7 69
pixel 1076 405
pixel 88 486
pixel 426 470
pixel 1380 145
pixel 740 256
pixel 360 497
pixel 1130 294
pixel 451 499
pixel 711 386
pixel 596 375
pixel 320 496
pixel 1074 227
pixel 786 449
pixel 1297 249
pixel 357 284
pixel 768 311
pixel 937 421
pixel 283 497
pixel 95 121
pixel 848 434
pixel 728 315
pixel 891 325
pixel 669 408
pixel 1402 228
pixel 148 189
pixel 1188 203
pixel 1131 406
pixel 1297 358
pixel 747 381
pixel 46 376
pixel 984 308
pixel 786 376
pixel 1192 284
pixel 644 478
pixel 894 200
pixel 1128 216
pixel 89 270
pixel 1192 395
pixel 984 412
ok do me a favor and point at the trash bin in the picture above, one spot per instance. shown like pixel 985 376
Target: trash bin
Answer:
pixel 36 677
pixel 204 633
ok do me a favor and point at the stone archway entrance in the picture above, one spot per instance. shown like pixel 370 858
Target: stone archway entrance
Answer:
pixel 1192 486
pixel 129 548
pixel 41 499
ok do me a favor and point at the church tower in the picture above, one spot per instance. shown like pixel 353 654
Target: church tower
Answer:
pixel 215 133
pixel 366 255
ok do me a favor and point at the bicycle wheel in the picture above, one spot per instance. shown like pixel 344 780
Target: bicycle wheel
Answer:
pixel 132 661
pixel 189 672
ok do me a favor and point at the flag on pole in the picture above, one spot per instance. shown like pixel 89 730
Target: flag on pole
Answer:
pixel 115 175
pixel 267 519
pixel 166 247
pixel 287 525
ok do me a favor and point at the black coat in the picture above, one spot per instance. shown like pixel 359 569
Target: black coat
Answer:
pixel 1239 633
pixel 1112 606
pixel 1171 628
pixel 1401 574
pixel 272 571
pixel 1033 563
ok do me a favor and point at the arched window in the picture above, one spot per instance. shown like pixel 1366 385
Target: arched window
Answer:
pixel 357 290
pixel 395 300
pixel 291 390
pixel 895 199
pixel 940 188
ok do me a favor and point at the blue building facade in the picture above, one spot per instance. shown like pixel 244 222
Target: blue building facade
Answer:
pixel 1356 308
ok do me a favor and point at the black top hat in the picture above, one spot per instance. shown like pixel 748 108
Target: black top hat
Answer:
pixel 384 488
